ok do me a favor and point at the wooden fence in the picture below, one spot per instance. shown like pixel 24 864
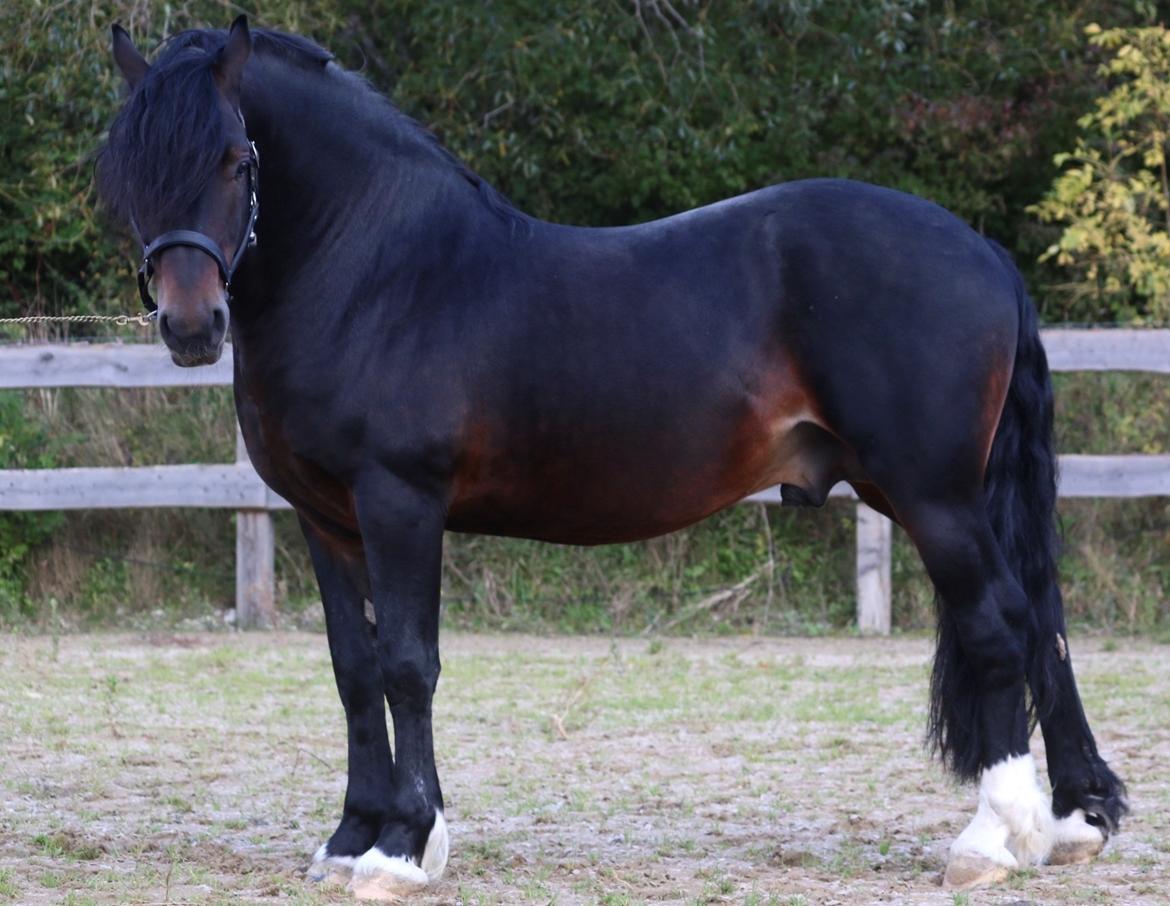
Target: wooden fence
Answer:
pixel 236 486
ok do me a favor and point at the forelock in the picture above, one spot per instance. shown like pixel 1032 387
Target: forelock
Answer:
pixel 165 142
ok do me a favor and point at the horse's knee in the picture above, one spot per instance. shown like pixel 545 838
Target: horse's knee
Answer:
pixel 410 671
pixel 993 634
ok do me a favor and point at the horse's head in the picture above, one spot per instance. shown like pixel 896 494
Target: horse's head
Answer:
pixel 179 166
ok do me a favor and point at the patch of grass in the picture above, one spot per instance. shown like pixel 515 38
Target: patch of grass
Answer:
pixel 65 844
pixel 660 796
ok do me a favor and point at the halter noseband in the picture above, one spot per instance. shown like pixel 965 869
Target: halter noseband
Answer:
pixel 203 242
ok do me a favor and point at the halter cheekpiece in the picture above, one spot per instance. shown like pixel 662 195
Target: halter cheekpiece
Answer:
pixel 203 242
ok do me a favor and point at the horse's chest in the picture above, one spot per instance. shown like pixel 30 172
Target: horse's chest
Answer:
pixel 275 450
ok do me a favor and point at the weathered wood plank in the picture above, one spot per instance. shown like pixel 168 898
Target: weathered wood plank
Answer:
pixel 1125 475
pixel 255 559
pixel 237 486
pixel 1107 349
pixel 1081 475
pixel 149 364
pixel 105 365
pixel 255 570
pixel 875 538
pixel 227 486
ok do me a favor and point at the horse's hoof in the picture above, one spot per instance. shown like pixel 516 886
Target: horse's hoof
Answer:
pixel 1075 853
pixel 967 871
pixel 1077 841
pixel 327 869
pixel 377 876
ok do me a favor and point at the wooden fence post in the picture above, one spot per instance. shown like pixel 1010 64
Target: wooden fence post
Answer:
pixel 255 562
pixel 874 541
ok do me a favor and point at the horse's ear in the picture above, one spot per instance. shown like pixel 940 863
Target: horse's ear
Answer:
pixel 229 68
pixel 132 64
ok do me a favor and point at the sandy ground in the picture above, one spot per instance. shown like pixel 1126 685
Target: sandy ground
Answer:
pixel 207 768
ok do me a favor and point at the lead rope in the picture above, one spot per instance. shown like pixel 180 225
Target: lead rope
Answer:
pixel 143 319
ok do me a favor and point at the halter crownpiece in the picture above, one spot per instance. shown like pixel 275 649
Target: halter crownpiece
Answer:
pixel 203 242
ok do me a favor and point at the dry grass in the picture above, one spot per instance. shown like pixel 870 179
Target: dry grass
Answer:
pixel 206 769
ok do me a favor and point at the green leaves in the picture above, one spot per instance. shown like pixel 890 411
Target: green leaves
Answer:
pixel 1113 198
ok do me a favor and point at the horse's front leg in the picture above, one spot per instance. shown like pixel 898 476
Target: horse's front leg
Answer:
pixel 402 533
pixel 341 576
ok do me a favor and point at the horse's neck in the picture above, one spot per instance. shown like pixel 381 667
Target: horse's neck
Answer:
pixel 348 194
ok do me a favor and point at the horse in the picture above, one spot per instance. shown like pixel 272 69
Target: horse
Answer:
pixel 414 355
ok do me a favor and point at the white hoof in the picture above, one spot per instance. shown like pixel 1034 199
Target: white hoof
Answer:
pixel 1014 814
pixel 966 871
pixel 982 846
pixel 1077 841
pixel 1013 827
pixel 434 860
pixel 377 876
pixel 327 869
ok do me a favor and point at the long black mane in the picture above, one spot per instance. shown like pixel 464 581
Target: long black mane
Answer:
pixel 166 140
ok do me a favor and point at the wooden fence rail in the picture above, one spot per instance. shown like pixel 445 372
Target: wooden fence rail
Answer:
pixel 236 486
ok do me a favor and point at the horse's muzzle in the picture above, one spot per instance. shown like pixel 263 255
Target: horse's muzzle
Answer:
pixel 195 339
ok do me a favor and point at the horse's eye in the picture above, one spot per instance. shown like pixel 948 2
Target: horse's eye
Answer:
pixel 242 169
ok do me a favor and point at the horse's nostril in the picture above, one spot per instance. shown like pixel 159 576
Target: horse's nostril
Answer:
pixel 218 320
pixel 164 326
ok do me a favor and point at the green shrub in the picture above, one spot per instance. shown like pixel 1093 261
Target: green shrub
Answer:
pixel 24 444
pixel 1113 197
pixel 592 113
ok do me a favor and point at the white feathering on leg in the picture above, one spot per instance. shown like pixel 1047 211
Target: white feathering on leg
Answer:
pixel 1012 827
pixel 434 860
pixel 985 836
pixel 1010 788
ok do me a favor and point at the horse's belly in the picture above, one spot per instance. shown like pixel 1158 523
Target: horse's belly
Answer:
pixel 642 492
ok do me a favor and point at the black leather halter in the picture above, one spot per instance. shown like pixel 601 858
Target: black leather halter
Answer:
pixel 203 242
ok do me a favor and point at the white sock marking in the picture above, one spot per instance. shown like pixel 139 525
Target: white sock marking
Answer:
pixel 434 860
pixel 1013 824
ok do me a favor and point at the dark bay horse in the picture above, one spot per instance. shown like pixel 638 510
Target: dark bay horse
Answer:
pixel 414 355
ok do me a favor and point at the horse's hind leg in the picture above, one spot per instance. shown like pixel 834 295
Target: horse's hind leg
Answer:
pixel 1087 797
pixel 978 692
pixel 359 683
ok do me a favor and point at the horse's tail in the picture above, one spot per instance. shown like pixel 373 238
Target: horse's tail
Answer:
pixel 1020 498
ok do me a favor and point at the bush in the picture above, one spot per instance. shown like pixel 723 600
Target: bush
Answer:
pixel 24 444
pixel 1114 199
pixel 594 112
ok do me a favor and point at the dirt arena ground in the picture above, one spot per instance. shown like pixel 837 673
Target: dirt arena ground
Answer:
pixel 198 769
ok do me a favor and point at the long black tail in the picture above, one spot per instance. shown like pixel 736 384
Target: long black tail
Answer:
pixel 1020 494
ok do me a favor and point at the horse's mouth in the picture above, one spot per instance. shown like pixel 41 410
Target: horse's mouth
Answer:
pixel 191 358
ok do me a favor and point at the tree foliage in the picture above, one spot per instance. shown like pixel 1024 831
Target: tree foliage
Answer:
pixel 58 91
pixel 1114 194
pixel 595 111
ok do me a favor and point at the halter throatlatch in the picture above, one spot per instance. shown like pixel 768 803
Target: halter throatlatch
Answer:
pixel 203 242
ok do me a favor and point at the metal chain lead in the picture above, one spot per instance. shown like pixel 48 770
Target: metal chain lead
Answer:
pixel 143 319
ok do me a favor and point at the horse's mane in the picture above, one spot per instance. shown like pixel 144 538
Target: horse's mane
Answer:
pixel 162 145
